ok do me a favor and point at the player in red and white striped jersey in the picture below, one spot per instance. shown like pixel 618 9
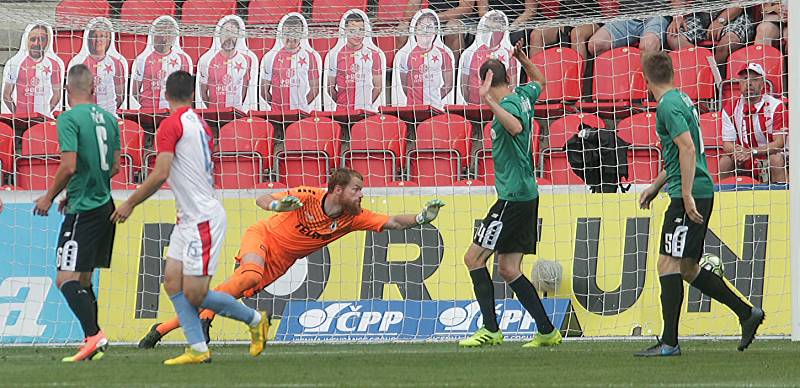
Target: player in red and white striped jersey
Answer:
pixel 184 142
pixel 32 79
pixel 227 75
pixel 491 42
pixel 162 57
pixel 109 67
pixel 754 129
pixel 423 68
pixel 290 72
pixel 355 67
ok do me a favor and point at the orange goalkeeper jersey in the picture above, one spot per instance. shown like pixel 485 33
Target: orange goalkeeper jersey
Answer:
pixel 303 231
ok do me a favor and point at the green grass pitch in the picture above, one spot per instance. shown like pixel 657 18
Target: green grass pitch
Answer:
pixel 573 364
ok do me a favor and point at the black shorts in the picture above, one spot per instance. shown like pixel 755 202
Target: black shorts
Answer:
pixel 510 227
pixel 86 239
pixel 680 237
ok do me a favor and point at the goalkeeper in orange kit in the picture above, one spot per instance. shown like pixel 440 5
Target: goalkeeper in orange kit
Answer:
pixel 308 219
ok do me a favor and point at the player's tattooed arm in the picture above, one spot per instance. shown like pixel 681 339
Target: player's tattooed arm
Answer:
pixel 8 98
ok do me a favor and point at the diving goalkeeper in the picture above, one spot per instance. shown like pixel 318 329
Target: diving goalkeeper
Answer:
pixel 308 219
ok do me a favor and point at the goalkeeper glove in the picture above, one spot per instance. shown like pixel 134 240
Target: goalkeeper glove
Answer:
pixel 285 204
pixel 430 211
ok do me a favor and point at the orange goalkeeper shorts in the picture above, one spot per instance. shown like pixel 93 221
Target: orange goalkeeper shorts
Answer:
pixel 256 240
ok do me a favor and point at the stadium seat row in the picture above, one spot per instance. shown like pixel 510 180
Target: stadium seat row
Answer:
pixel 248 156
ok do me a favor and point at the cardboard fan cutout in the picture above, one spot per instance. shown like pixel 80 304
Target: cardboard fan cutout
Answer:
pixel 33 77
pixel 291 72
pixel 423 68
pixel 109 67
pixel 162 57
pixel 355 69
pixel 491 42
pixel 227 74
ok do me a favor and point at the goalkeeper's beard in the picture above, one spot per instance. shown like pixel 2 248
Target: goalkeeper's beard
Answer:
pixel 353 208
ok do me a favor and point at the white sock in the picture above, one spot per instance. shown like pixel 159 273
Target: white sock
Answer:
pixel 201 347
pixel 256 319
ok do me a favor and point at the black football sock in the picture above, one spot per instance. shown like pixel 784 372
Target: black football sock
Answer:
pixel 81 304
pixel 90 290
pixel 484 293
pixel 713 286
pixel 526 293
pixel 671 300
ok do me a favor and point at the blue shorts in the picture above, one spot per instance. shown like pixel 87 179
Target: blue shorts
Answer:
pixel 628 32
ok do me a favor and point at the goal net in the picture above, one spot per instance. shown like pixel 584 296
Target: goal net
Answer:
pixel 293 89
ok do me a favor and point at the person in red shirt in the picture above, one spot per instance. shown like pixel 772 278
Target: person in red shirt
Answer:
pixel 32 78
pixel 308 219
pixel 162 57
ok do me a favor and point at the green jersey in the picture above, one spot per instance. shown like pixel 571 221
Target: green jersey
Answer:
pixel 675 115
pixel 93 134
pixel 515 178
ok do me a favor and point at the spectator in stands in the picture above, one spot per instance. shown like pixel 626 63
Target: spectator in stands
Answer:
pixel 290 71
pixel 491 42
pixel 33 77
pixel 648 33
pixel 109 67
pixel 754 129
pixel 577 36
pixel 227 75
pixel 355 67
pixel 423 68
pixel 773 27
pixel 162 57
pixel 457 15
pixel 728 30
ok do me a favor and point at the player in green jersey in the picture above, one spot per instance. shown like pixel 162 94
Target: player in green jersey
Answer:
pixel 510 228
pixel 691 193
pixel 89 140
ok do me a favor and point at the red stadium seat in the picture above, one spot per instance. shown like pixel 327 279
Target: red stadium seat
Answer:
pixel 131 139
pixel 270 11
pixel 441 152
pixel 206 12
pixel 644 156
pixel 332 10
pixel 6 150
pixel 311 150
pixel 617 82
pixel 323 45
pixel 711 128
pixel 388 45
pixel 260 45
pixel 196 46
pixel 555 167
pixel 145 11
pixel 244 153
pixel 75 13
pixel 131 45
pixel 394 10
pixel 693 73
pixel 563 68
pixel 377 149
pixel 483 165
pixel 67 43
pixel 40 157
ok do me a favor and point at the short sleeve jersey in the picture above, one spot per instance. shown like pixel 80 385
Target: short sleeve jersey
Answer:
pixel 93 134
pixel 303 231
pixel 675 115
pixel 515 178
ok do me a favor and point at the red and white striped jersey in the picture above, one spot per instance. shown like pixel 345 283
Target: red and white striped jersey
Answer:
pixel 753 125
pixel 187 136
pixel 227 79
pixel 152 69
pixel 473 63
pixel 290 76
pixel 425 70
pixel 33 82
pixel 354 69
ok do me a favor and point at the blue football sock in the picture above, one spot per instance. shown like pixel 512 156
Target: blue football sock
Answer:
pixel 225 305
pixel 190 320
